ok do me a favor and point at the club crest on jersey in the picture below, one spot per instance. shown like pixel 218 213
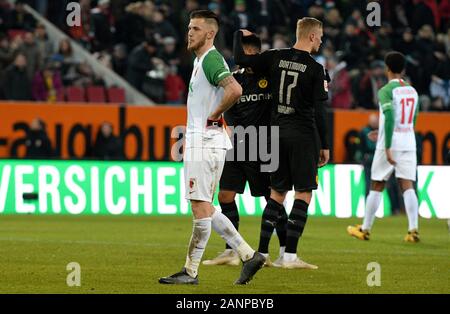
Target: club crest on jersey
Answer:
pixel 263 83
pixel 325 85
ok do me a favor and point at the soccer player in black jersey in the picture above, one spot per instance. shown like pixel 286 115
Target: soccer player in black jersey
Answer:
pixel 253 110
pixel 299 91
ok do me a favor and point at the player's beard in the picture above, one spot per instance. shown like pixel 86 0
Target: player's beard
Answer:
pixel 200 43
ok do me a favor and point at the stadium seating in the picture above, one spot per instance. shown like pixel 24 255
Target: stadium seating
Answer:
pixel 96 94
pixel 116 95
pixel 75 94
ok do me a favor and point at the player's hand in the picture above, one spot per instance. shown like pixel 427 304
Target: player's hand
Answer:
pixel 324 157
pixel 373 135
pixel 215 116
pixel 389 157
pixel 246 32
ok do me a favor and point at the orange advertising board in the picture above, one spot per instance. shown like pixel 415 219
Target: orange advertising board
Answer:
pixel 72 128
pixel 434 129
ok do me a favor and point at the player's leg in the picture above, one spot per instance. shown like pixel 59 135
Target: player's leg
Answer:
pixel 230 210
pixel 281 229
pixel 303 166
pixel 232 181
pixel 199 193
pixel 252 260
pixel 405 171
pixel 381 171
pixel 281 182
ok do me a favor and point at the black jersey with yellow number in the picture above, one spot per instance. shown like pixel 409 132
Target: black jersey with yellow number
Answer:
pixel 253 107
pixel 298 85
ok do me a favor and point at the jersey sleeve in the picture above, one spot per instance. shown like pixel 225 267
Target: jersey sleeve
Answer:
pixel 214 68
pixel 385 99
pixel 320 84
pixel 258 62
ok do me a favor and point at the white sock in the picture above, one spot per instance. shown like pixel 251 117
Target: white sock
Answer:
pixel 372 203
pixel 223 226
pixel 282 249
pixel 201 231
pixel 290 257
pixel 412 208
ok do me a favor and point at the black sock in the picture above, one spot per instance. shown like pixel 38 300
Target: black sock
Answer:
pixel 281 226
pixel 296 225
pixel 268 223
pixel 230 210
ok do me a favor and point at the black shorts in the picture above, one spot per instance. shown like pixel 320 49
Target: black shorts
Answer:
pixel 237 173
pixel 299 157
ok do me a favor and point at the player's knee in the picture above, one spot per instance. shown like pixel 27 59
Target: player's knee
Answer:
pixel 278 196
pixel 305 196
pixel 226 197
pixel 377 186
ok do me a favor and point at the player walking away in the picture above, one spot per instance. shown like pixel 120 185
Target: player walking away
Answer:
pixel 212 91
pixel 299 90
pixel 252 110
pixel 396 148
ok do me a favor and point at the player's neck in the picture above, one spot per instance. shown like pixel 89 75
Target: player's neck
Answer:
pixel 302 46
pixel 394 77
pixel 202 50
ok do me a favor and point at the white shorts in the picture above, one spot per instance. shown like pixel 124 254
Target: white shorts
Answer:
pixel 202 171
pixel 405 168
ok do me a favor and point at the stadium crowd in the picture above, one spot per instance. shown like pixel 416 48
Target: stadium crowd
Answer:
pixel 144 42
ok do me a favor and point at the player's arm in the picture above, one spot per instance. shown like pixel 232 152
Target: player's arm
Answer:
pixel 232 92
pixel 218 75
pixel 258 62
pixel 389 122
pixel 416 114
pixel 320 111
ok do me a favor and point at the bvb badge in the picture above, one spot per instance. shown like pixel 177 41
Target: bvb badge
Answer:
pixel 263 83
pixel 317 179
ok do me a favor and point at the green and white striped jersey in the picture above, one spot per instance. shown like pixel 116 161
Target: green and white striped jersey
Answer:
pixel 398 111
pixel 204 97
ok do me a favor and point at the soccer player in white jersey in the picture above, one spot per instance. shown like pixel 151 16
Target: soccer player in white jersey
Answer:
pixel 396 148
pixel 212 91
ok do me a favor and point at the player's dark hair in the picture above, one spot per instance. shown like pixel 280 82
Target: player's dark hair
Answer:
pixel 395 61
pixel 205 14
pixel 252 41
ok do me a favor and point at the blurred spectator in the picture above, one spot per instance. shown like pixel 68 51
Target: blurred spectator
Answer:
pixel 161 27
pixel 340 86
pixel 169 54
pixel 43 44
pixel 102 26
pixel 47 85
pixel 440 84
pixel 85 76
pixel 368 145
pixel 7 52
pixel 370 84
pixel 175 88
pixel 82 33
pixel 5 14
pixel 191 5
pixel 20 19
pixel 31 51
pixel 240 17
pixel 69 62
pixel 17 85
pixel 140 61
pixel 37 142
pixel 332 26
pixel 107 146
pixel 119 59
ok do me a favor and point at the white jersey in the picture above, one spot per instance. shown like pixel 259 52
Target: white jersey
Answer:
pixel 204 97
pixel 402 99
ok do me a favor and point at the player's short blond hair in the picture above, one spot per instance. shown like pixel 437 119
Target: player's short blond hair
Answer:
pixel 306 25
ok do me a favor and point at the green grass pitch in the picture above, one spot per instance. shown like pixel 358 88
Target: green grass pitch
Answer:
pixel 129 254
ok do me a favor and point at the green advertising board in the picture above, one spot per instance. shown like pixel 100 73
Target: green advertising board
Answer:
pixel 157 188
